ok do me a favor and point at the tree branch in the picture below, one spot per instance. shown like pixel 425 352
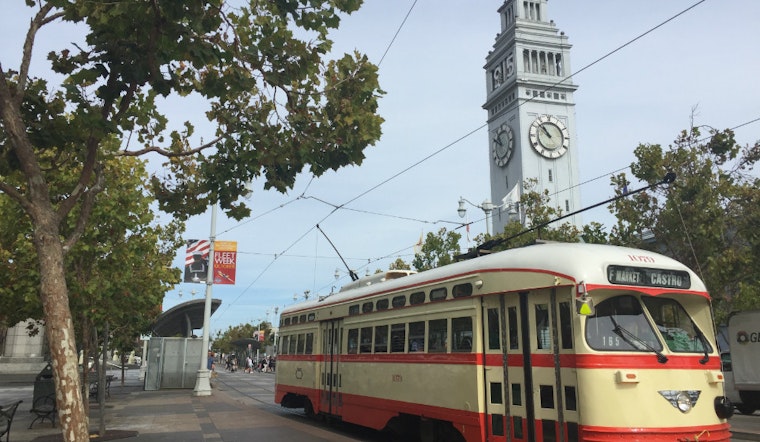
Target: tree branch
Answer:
pixel 167 153
pixel 37 22
pixel 88 201
pixel 84 177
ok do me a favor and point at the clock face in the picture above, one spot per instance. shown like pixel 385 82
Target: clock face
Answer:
pixel 503 143
pixel 549 136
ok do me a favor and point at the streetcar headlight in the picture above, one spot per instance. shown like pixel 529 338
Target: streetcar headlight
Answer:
pixel 684 400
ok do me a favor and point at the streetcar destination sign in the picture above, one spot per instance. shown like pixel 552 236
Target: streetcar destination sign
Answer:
pixel 648 277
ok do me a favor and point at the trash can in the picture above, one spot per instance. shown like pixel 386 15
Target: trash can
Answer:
pixel 43 402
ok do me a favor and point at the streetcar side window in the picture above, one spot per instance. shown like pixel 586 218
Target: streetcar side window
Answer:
pixel 366 340
pixel 546 393
pixel 438 294
pixel 417 336
pixel 496 393
pixel 309 343
pixel 367 307
pixel 398 301
pixel 381 339
pixel 382 304
pixel 284 344
pixel 516 394
pixel 353 341
pixel 497 424
pixel 461 330
pixel 417 298
pixel 679 331
pixel 571 402
pixel 462 290
pixel 565 326
pixel 398 338
pixel 438 333
pixel 543 334
pixel 494 333
pixel 514 336
pixel 301 342
pixel 292 345
pixel 353 310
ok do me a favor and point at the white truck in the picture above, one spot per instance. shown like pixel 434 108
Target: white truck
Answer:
pixel 742 366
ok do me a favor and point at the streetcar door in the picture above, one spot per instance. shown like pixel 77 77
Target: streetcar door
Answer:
pixel 549 390
pixel 330 397
pixel 503 376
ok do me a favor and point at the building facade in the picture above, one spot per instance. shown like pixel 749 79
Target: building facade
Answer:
pixel 21 353
pixel 531 113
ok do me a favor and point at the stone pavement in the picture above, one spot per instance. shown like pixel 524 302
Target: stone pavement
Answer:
pixel 166 415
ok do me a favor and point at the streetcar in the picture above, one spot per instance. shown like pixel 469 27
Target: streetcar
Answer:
pixel 549 342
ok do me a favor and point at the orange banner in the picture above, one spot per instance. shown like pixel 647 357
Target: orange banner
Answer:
pixel 225 262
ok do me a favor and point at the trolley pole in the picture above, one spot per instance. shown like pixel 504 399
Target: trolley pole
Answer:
pixel 202 381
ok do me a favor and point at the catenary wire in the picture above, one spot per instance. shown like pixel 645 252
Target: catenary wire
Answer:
pixel 342 206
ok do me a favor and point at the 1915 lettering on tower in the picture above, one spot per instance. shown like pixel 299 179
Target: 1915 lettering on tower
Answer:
pixel 531 112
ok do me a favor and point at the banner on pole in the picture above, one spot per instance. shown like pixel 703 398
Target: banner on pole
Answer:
pixel 196 260
pixel 225 262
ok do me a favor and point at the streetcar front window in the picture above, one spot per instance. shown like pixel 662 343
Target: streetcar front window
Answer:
pixel 619 324
pixel 677 328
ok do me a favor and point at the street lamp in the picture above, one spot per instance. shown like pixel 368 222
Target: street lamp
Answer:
pixel 486 206
pixel 202 382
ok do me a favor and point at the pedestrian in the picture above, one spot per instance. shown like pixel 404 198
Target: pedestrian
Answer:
pixel 210 365
pixel 248 364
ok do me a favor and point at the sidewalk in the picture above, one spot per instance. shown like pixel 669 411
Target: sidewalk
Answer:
pixel 164 415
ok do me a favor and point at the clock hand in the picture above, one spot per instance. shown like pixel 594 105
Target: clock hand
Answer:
pixel 543 128
pixel 498 141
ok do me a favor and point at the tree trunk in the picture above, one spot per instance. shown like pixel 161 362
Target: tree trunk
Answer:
pixel 59 328
pixel 86 352
pixel 102 385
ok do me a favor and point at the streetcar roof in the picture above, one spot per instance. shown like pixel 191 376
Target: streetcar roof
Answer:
pixel 574 261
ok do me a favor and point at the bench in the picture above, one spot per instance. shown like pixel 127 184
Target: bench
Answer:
pixel 6 418
pixel 94 386
pixel 43 402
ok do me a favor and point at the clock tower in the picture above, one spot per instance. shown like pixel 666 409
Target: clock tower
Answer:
pixel 531 113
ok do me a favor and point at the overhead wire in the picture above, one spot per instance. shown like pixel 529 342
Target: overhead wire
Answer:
pixel 336 207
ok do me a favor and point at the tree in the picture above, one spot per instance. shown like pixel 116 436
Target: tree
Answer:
pixel 117 273
pixel 399 264
pixel 538 223
pixel 438 250
pixel 225 341
pixel 276 106
pixel 706 219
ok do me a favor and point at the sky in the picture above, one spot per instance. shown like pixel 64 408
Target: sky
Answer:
pixel 700 65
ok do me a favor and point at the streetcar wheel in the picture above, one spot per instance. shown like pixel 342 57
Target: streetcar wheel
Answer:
pixel 745 409
pixel 308 409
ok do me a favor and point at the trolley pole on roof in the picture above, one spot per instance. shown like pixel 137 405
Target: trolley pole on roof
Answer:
pixel 351 273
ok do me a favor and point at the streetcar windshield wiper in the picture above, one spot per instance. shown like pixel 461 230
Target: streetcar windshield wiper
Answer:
pixel 705 345
pixel 636 342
